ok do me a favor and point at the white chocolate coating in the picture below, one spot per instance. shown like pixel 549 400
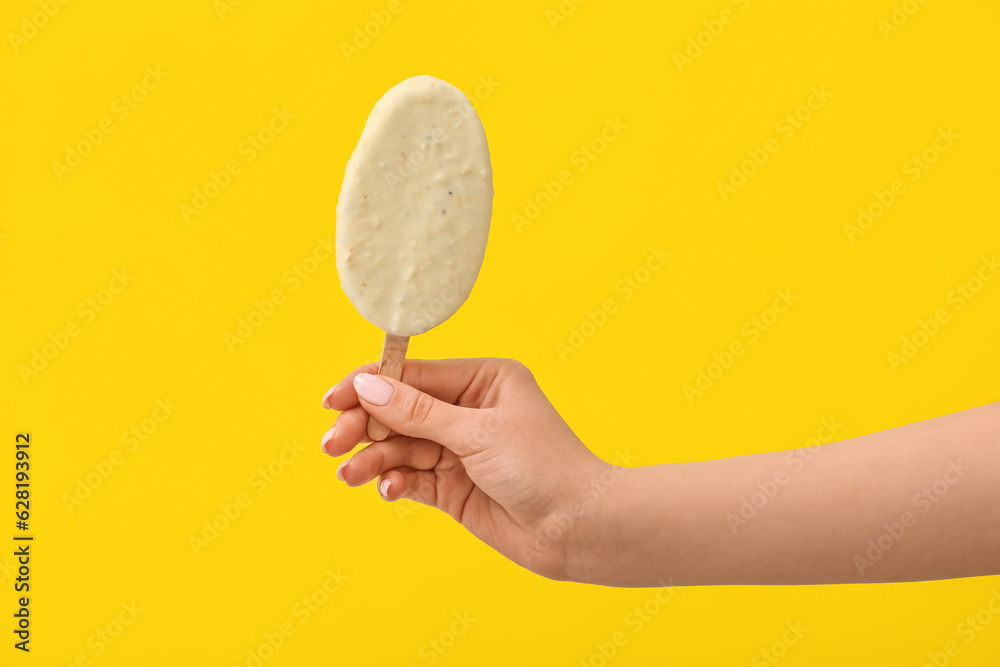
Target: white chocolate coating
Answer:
pixel 414 211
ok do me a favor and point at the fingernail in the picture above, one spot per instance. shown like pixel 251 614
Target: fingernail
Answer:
pixel 326 397
pixel 340 476
pixel 327 438
pixel 383 488
pixel 372 388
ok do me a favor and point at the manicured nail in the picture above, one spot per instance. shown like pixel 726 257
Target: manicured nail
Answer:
pixel 327 438
pixel 383 488
pixel 372 388
pixel 326 397
pixel 340 476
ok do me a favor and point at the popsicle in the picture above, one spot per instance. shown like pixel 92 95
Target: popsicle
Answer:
pixel 414 214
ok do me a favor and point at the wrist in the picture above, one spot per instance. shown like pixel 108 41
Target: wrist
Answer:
pixel 596 538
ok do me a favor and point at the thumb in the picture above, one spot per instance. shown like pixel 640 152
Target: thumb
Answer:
pixel 411 412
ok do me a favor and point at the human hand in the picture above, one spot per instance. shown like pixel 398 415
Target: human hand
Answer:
pixel 477 439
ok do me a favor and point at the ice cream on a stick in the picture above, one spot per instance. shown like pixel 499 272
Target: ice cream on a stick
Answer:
pixel 414 214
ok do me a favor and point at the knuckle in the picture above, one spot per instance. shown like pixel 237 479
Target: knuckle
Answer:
pixel 369 462
pixel 515 367
pixel 377 463
pixel 421 410
pixel 424 491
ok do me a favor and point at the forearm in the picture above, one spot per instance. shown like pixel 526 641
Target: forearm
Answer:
pixel 920 501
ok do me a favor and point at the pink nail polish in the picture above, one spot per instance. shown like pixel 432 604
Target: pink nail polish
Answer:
pixel 326 397
pixel 373 389
pixel 342 465
pixel 327 438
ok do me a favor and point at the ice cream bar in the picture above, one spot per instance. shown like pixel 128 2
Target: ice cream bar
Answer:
pixel 414 213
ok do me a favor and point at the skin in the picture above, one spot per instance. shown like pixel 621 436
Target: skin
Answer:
pixel 478 439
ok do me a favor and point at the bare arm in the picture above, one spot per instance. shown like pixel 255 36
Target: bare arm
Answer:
pixel 478 439
pixel 920 501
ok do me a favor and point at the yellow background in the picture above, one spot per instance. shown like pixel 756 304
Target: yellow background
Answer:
pixel 410 570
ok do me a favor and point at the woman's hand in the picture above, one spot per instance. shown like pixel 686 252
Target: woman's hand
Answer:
pixel 477 439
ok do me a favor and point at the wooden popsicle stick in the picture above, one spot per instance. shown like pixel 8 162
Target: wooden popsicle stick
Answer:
pixel 393 354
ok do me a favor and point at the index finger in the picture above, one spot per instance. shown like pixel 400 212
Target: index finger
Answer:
pixel 342 396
